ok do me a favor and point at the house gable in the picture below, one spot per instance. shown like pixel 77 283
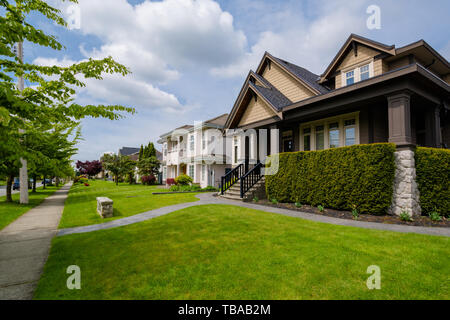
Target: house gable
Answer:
pixel 256 110
pixel 357 51
pixel 285 83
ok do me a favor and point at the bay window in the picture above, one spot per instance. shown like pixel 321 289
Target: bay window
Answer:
pixel 334 135
pixel 320 138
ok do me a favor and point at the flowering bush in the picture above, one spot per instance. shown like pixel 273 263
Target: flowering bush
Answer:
pixel 170 182
pixel 148 180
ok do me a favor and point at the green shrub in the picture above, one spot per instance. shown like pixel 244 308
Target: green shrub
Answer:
pixel 181 188
pixel 337 178
pixel 321 208
pixel 298 204
pixel 433 179
pixel 210 189
pixel 435 216
pixel 405 216
pixel 183 180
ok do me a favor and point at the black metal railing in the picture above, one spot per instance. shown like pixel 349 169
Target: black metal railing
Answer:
pixel 249 179
pixel 231 178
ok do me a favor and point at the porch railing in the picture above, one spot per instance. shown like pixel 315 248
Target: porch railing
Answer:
pixel 249 179
pixel 231 178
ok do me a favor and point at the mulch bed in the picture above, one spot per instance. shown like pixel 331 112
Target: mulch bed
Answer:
pixel 423 221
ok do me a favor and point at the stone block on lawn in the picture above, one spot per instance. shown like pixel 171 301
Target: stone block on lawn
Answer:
pixel 105 207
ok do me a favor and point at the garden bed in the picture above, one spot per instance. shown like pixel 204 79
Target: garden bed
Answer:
pixel 422 221
pixel 170 192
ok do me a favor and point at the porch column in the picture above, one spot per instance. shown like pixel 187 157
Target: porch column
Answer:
pixel 399 114
pixel 274 140
pixel 433 127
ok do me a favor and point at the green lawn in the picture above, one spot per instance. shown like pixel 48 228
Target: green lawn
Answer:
pixel 228 252
pixel 11 211
pixel 81 205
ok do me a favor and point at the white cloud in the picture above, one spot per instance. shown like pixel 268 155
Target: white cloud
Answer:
pixel 308 43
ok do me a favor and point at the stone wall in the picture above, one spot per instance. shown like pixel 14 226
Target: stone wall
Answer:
pixel 406 192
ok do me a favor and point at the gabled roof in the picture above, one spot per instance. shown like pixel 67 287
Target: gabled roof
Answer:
pixel 218 121
pixel 356 38
pixel 274 98
pixel 302 75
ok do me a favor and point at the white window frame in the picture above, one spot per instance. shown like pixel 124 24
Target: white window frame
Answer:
pixel 326 122
pixel 193 171
pixel 356 72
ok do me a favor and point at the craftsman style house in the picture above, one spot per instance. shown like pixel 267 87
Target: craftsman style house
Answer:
pixel 191 150
pixel 370 92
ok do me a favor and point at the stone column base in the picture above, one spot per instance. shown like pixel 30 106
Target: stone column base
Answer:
pixel 405 197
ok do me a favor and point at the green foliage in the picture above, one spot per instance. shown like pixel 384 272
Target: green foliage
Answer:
pixel 255 199
pixel 274 201
pixel 185 188
pixel 405 216
pixel 321 208
pixel 337 178
pixel 210 189
pixel 183 180
pixel 355 212
pixel 298 204
pixel 435 216
pixel 433 179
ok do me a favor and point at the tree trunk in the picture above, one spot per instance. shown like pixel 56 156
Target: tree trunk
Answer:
pixel 34 183
pixel 117 180
pixel 9 187
pixel 57 182
pixel 43 183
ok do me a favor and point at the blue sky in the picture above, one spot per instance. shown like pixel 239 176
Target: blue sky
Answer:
pixel 189 58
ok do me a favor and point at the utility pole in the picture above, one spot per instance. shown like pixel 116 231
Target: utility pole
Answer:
pixel 23 173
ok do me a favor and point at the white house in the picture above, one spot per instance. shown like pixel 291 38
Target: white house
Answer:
pixel 196 150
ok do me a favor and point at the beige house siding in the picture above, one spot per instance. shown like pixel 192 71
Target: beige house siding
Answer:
pixel 286 84
pixel 380 67
pixel 256 111
pixel 364 54
pixel 338 80
pixel 402 62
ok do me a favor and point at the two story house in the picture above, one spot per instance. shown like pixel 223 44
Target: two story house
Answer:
pixel 196 150
pixel 370 92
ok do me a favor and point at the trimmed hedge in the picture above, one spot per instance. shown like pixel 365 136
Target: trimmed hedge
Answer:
pixel 433 179
pixel 361 175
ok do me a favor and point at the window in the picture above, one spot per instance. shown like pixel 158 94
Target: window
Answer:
pixel 307 139
pixel 164 173
pixel 360 73
pixel 320 138
pixel 333 135
pixel 192 141
pixel 235 154
pixel 165 149
pixel 364 72
pixel 191 171
pixel 203 172
pixel 350 132
pixel 332 132
pixel 203 141
pixel 350 77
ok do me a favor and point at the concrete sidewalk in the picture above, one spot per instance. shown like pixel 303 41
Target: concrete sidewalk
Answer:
pixel 25 245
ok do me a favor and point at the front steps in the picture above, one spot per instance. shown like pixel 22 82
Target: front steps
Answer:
pixel 258 190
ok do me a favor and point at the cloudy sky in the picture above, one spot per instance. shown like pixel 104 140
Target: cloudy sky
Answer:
pixel 189 58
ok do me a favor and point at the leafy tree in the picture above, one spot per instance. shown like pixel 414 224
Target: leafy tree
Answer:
pixel 148 166
pixel 49 101
pixel 91 168
pixel 119 166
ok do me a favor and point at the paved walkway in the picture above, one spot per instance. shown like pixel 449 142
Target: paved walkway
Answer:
pixel 208 198
pixel 25 245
